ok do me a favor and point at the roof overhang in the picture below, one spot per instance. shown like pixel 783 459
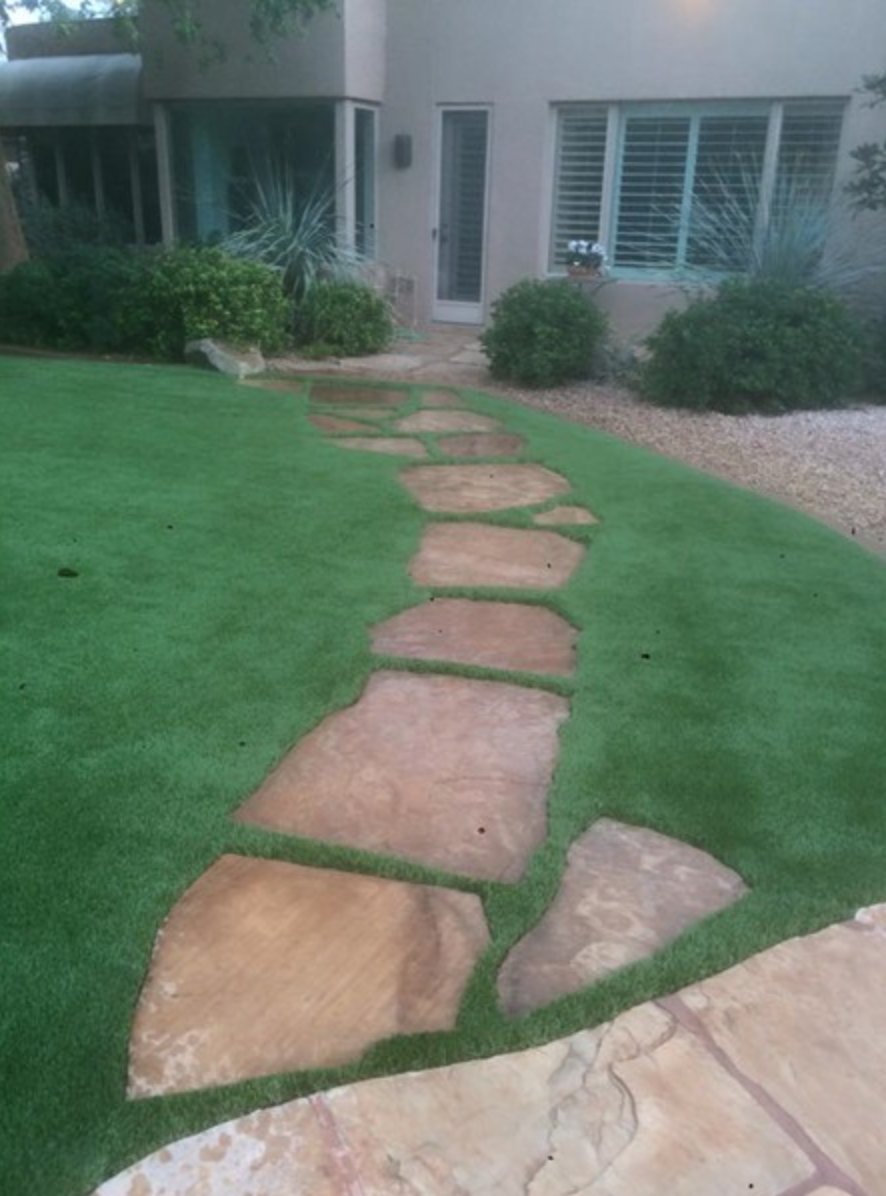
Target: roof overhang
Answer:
pixel 87 89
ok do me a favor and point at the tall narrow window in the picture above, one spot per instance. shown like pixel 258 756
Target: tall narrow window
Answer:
pixel 364 181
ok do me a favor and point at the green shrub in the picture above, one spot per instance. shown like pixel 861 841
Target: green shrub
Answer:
pixel 196 293
pixel 346 317
pixel 72 300
pixel 145 303
pixel 756 345
pixel 543 333
pixel 27 314
pixel 51 230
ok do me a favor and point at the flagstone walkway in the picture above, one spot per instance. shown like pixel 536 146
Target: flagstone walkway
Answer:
pixel 743 1083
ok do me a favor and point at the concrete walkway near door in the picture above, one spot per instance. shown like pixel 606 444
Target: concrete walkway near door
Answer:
pixel 769 1078
pixel 444 353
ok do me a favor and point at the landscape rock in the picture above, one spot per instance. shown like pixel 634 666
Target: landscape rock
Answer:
pixel 214 355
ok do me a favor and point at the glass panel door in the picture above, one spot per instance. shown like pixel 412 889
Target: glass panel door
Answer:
pixel 461 219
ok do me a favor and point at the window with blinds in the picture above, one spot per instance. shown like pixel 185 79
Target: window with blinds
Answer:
pixel 578 186
pixel 692 182
pixel 807 154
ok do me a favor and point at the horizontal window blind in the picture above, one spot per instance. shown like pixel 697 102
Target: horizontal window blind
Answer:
pixel 690 187
pixel 725 190
pixel 654 166
pixel 807 152
pixel 578 187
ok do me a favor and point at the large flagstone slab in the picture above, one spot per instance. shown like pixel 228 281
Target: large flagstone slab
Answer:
pixel 440 398
pixel 482 444
pixel 445 771
pixel 447 421
pixel 264 966
pixel 476 554
pixel 626 891
pixel 463 489
pixel 807 1022
pixel 392 446
pixel 354 395
pixel 636 1107
pixel 335 423
pixel 365 415
pixel 503 635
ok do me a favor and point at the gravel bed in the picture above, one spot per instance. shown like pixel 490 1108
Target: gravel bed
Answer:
pixel 830 464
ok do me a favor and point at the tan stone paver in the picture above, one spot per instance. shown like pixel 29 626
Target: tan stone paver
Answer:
pixel 482 444
pixel 355 395
pixel 626 891
pixel 393 446
pixel 476 554
pixel 446 771
pixel 335 423
pixel 563 516
pixel 503 635
pixel 440 398
pixel 464 489
pixel 447 421
pixel 364 415
pixel 265 966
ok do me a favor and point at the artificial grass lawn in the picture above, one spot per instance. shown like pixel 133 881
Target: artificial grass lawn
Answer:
pixel 730 692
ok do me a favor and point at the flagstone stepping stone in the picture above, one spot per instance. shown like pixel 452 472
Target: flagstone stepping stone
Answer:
pixel 362 415
pixel 265 967
pixel 626 891
pixel 441 770
pixel 396 446
pixel 503 635
pixel 440 398
pixel 334 423
pixel 275 384
pixel 563 516
pixel 355 395
pixel 446 421
pixel 477 554
pixel 461 489
pixel 482 444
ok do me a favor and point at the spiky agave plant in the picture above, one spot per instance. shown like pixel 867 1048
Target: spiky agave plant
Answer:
pixel 801 236
pixel 295 233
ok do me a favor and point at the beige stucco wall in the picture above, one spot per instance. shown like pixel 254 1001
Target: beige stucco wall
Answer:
pixel 339 54
pixel 521 56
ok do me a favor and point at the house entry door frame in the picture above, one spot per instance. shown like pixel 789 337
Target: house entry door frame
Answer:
pixel 463 137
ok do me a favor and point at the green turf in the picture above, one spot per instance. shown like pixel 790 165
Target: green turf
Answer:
pixel 730 691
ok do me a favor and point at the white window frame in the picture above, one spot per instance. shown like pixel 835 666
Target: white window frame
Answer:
pixel 619 115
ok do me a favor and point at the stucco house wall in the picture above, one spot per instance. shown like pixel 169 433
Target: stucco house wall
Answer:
pixel 521 58
pixel 523 62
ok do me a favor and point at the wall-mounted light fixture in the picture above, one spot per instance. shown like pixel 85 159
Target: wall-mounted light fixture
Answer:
pixel 402 150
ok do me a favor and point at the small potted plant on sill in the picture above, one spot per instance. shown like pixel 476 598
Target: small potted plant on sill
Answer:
pixel 587 259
